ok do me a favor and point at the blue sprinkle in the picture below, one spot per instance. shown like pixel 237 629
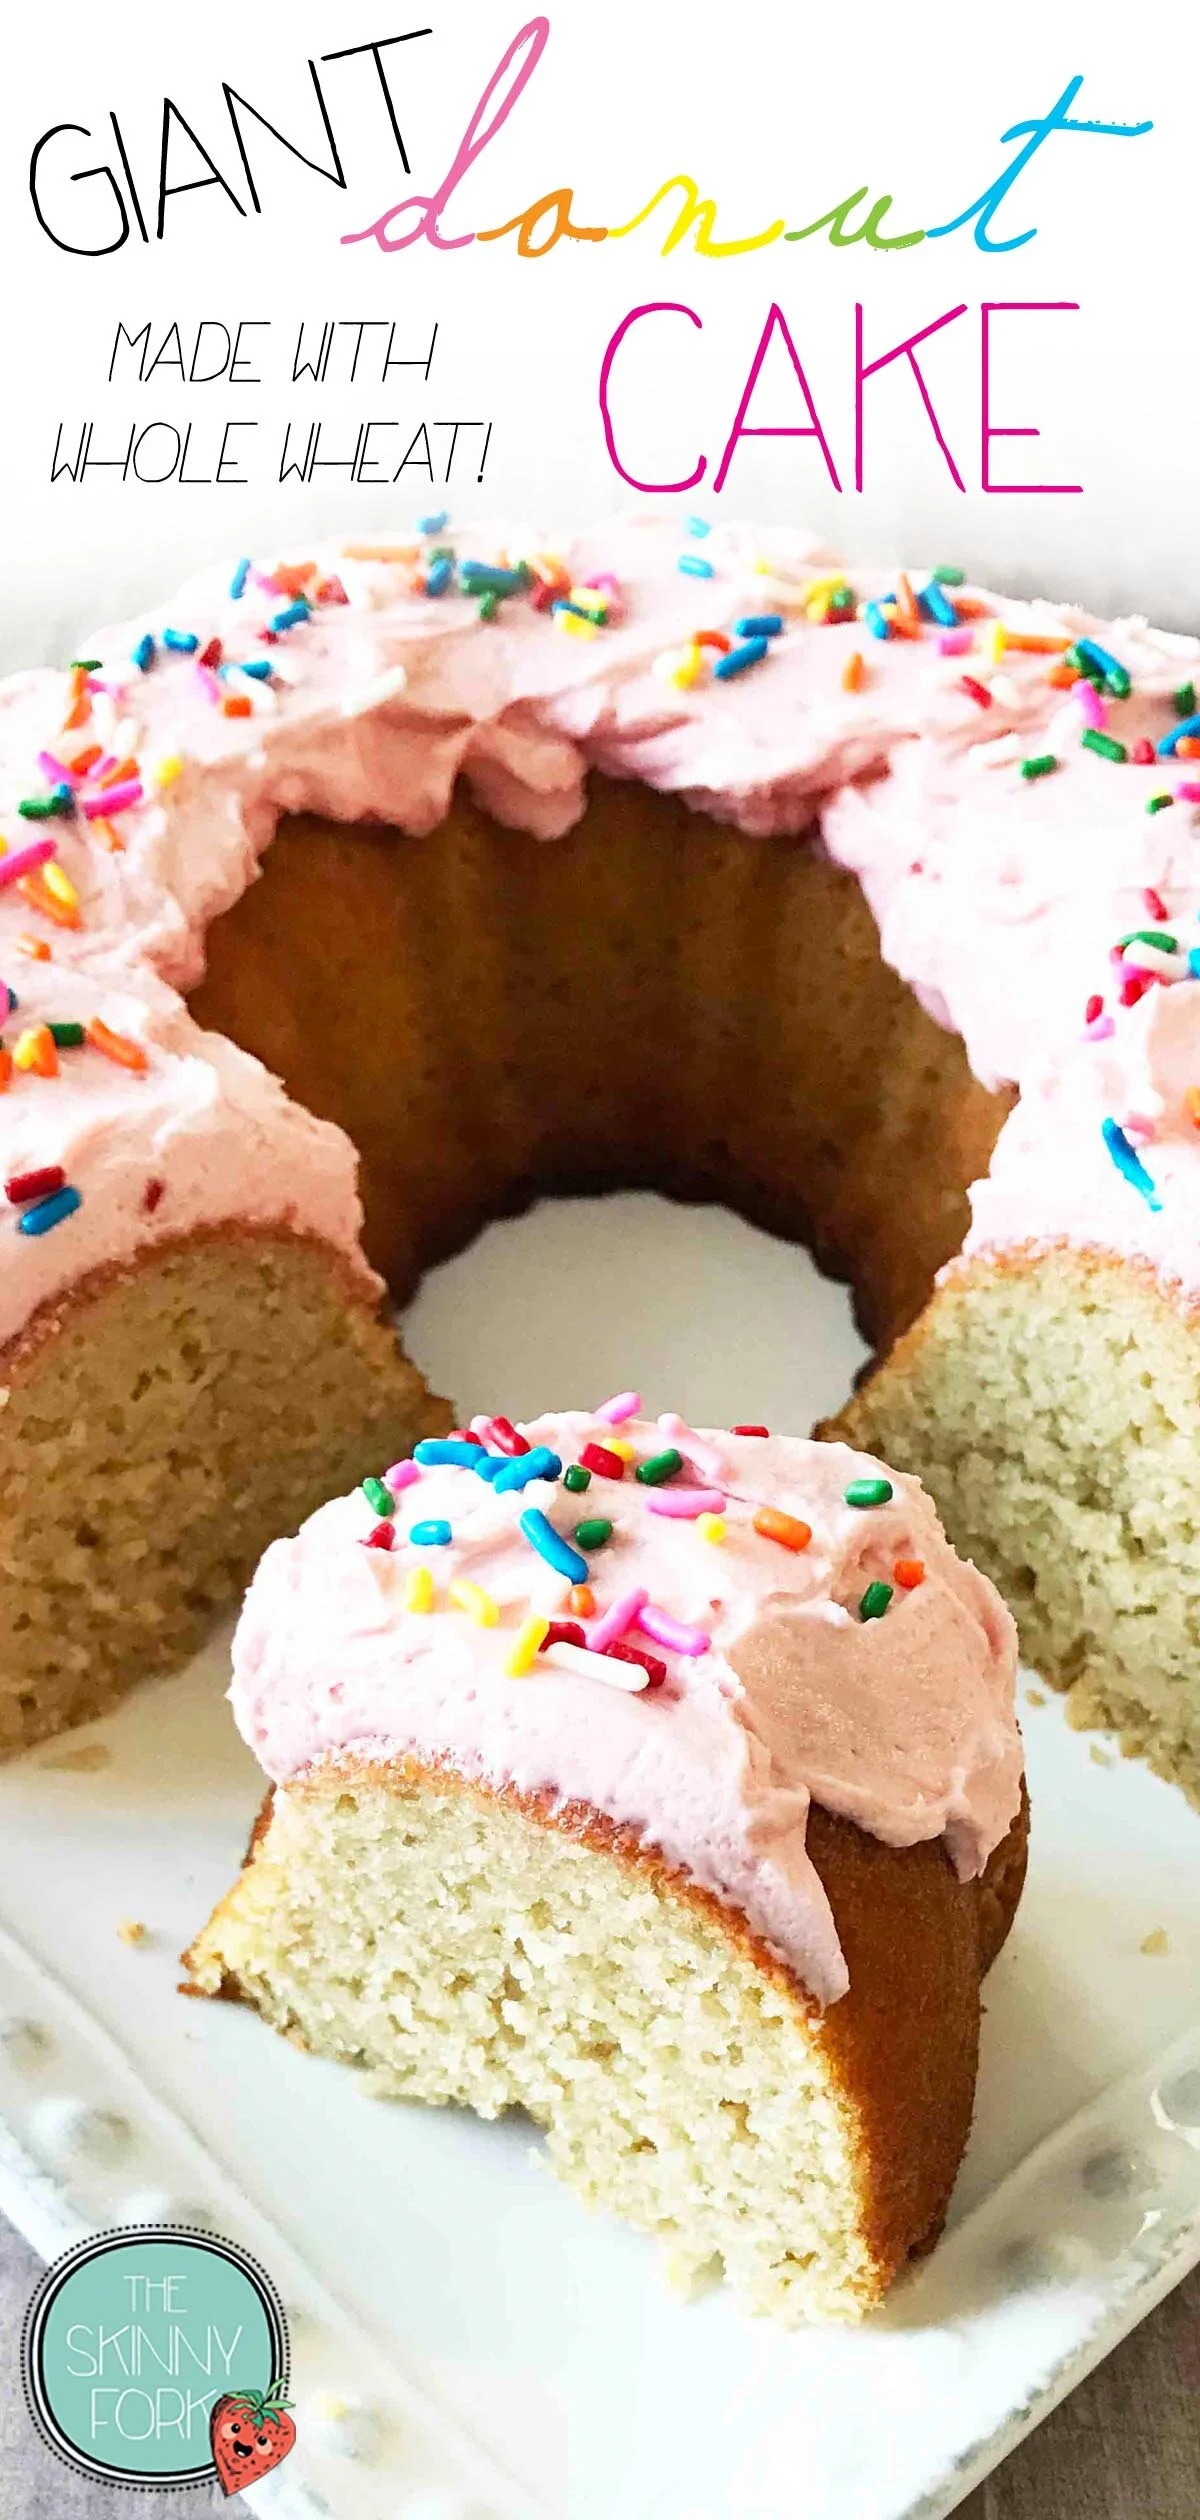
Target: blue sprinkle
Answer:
pixel 46 1213
pixel 1102 658
pixel 438 576
pixel 184 642
pixel 693 564
pixel 1186 726
pixel 758 626
pixel 933 601
pixel 1194 962
pixel 431 1535
pixel 699 528
pixel 488 1465
pixel 259 668
pixel 541 1463
pixel 144 653
pixel 433 524
pixel 237 583
pixel 1129 1163
pixel 751 652
pixel 877 622
pixel 436 1450
pixel 291 615
pixel 560 604
pixel 551 1546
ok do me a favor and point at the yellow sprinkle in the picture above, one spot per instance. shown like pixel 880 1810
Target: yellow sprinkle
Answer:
pixel 619 1444
pixel 34 1051
pixel 823 588
pixel 711 1527
pixel 530 1635
pixel 60 885
pixel 996 642
pixel 472 1598
pixel 575 626
pixel 689 668
pixel 168 769
pixel 590 599
pixel 418 1590
pixel 817 608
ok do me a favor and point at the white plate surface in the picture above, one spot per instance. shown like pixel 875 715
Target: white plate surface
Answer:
pixel 496 2350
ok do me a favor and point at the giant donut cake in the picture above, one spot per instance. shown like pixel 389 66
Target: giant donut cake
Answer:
pixel 681 859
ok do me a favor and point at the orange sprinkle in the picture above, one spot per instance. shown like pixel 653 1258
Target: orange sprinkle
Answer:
pixel 899 622
pixel 853 671
pixel 1037 642
pixel 785 1528
pixel 712 639
pixel 107 834
pixel 117 1046
pixel 35 1050
pixel 35 946
pixel 78 713
pixel 32 888
pixel 1062 676
pixel 582 1601
pixel 906 601
pixel 85 761
pixel 121 770
pixel 6 1069
pixel 1191 1104
pixel 235 705
pixel 1188 748
pixel 970 607
pixel 909 1572
pixel 293 580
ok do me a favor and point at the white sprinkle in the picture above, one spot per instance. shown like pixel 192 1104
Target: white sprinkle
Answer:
pixel 606 1667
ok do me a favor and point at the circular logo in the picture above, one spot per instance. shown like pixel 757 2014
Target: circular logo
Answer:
pixel 158 2356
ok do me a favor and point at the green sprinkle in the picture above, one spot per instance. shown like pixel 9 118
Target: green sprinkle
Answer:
pixel 43 808
pixel 1117 682
pixel 1106 745
pixel 1166 943
pixel 1155 804
pixel 1038 765
pixel 593 1534
pixel 86 664
pixel 947 577
pixel 379 1498
pixel 659 1467
pixel 874 1601
pixel 67 1036
pixel 577 1478
pixel 869 1492
pixel 489 605
pixel 1185 700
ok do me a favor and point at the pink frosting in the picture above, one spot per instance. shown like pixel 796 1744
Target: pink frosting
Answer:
pixel 904 1724
pixel 998 898
pixel 201 1136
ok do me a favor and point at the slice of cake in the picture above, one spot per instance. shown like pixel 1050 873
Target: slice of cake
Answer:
pixel 666 1785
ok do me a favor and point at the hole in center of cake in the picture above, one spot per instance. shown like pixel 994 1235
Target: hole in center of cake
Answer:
pixel 704 1313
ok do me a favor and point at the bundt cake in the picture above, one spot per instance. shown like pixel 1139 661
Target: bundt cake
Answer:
pixel 666 856
pixel 664 1784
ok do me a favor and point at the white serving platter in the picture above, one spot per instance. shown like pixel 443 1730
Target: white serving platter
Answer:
pixel 468 2343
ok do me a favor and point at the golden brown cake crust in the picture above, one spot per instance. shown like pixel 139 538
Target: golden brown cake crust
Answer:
pixel 901 2045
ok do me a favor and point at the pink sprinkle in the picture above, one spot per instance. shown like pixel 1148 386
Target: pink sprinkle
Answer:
pixel 604 581
pixel 479 1426
pixel 1188 792
pixel 624 1405
pixel 112 800
pixel 101 768
pixel 403 1474
pixel 5 1002
pixel 208 682
pixel 23 861
pixel 1102 1029
pixel 57 772
pixel 1089 703
pixel 672 1633
pixel 684 1504
pixel 703 1457
pixel 624 1613
pixel 955 643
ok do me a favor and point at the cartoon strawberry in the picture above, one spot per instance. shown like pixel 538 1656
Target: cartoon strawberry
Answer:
pixel 250 2431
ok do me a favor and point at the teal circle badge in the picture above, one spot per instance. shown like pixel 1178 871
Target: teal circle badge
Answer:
pixel 142 2351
